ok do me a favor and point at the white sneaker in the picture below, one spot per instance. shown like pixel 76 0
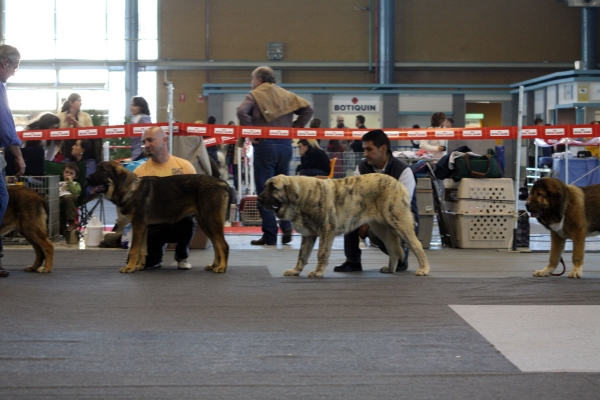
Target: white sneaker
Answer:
pixel 183 264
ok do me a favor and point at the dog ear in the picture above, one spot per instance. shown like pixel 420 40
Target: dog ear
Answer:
pixel 277 182
pixel 559 197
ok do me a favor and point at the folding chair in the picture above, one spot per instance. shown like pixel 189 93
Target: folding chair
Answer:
pixel 331 169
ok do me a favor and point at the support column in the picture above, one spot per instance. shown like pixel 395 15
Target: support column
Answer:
pixel 131 51
pixel 386 42
pixel 588 38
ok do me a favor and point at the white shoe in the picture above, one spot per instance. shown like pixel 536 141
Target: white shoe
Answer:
pixel 183 264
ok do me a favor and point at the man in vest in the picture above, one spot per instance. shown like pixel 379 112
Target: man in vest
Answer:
pixel 378 159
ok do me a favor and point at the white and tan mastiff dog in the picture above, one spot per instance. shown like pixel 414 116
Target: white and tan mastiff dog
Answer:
pixel 322 209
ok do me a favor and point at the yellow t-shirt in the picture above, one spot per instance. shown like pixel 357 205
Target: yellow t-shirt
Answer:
pixel 175 166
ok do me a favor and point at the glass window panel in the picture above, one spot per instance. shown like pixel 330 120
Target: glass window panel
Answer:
pixel 147 49
pixel 118 107
pixel 34 50
pixel 115 20
pixel 41 100
pixel 83 76
pixel 147 88
pixel 34 76
pixel 148 19
pixel 24 25
pixel 115 49
pixel 81 40
pixel 90 99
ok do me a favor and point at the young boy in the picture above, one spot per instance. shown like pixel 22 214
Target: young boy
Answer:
pixel 69 191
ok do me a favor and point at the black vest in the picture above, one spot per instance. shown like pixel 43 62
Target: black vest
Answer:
pixel 394 168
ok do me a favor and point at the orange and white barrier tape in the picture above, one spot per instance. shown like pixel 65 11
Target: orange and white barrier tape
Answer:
pixel 218 134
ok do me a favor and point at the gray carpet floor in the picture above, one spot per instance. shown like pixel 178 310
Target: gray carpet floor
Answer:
pixel 480 327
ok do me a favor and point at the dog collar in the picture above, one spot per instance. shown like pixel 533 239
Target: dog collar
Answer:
pixel 133 187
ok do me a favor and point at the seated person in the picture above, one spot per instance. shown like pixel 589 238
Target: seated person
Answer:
pixel 83 151
pixel 313 160
pixel 379 160
pixel 69 191
pixel 162 163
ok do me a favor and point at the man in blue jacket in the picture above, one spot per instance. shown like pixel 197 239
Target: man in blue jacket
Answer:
pixel 9 64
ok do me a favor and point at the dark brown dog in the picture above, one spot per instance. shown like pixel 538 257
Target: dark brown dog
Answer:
pixel 568 212
pixel 154 200
pixel 27 212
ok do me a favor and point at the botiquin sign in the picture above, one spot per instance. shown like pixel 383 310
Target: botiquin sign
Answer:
pixel 355 104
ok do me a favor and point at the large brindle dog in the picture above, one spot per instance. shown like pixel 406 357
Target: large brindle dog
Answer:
pixel 569 212
pixel 324 208
pixel 27 212
pixel 154 200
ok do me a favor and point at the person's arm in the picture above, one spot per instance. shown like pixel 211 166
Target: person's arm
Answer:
pixel 304 116
pixel 74 188
pixel 244 111
pixel 407 178
pixel 429 147
pixel 90 167
pixel 19 161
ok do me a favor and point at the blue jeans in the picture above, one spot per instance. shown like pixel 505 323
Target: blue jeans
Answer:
pixel 271 157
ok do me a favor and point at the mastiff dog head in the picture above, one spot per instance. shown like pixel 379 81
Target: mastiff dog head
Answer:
pixel 281 195
pixel 548 200
pixel 108 174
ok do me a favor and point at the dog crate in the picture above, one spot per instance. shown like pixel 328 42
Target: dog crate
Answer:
pixel 481 212
pixel 482 231
pixel 249 211
pixel 47 187
pixel 424 192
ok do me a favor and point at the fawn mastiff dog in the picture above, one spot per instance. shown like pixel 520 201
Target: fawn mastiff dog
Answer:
pixel 324 208
pixel 27 212
pixel 155 200
pixel 569 212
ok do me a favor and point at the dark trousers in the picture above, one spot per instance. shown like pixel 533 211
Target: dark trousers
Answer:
pixel 180 232
pixel 271 157
pixel 352 250
pixel 313 172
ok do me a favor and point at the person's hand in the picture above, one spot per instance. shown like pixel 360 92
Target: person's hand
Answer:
pixel 362 231
pixel 71 120
pixel 20 166
pixel 442 148
pixel 68 179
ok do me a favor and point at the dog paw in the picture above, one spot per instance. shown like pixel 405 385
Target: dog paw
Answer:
pixel 29 269
pixel 315 274
pixel 422 272
pixel 291 272
pixel 127 270
pixel 43 270
pixel 575 274
pixel 209 268
pixel 541 272
pixel 385 270
pixel 219 270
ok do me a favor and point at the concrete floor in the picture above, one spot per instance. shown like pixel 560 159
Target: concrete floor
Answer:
pixel 479 327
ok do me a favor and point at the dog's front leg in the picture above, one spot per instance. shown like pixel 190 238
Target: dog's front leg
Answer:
pixel 306 247
pixel 557 245
pixel 325 243
pixel 578 254
pixel 135 248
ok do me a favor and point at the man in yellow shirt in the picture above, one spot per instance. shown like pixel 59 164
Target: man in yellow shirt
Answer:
pixel 162 163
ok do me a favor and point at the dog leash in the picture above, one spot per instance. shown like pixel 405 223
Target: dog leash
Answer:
pixel 564 268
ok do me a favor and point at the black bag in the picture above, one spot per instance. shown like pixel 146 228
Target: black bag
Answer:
pixel 441 170
pixel 523 229
pixel 469 166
